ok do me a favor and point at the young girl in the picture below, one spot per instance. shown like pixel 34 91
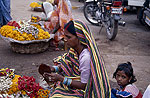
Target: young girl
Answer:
pixel 125 79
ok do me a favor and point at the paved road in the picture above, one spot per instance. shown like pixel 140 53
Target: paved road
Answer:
pixel 131 44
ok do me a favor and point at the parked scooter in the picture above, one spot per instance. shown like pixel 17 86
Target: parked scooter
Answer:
pixel 105 14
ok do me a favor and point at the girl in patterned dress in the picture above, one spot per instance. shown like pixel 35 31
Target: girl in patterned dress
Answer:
pixel 125 79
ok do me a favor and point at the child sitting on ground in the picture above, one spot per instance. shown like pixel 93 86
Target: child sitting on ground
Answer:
pixel 125 79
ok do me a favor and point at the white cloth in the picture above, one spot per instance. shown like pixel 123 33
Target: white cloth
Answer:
pixel 147 93
pixel 69 4
pixel 48 8
pixel 85 69
pixel 132 89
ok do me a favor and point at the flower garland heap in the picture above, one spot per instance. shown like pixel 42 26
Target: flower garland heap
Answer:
pixel 23 31
pixel 14 86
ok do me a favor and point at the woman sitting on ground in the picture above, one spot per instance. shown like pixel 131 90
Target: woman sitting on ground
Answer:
pixel 81 71
pixel 60 16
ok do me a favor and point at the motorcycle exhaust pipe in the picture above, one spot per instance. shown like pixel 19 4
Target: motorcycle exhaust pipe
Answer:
pixel 122 23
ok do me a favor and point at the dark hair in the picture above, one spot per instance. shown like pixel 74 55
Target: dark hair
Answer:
pixel 127 68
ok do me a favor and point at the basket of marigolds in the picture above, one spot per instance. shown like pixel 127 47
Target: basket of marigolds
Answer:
pixel 36 6
pixel 25 37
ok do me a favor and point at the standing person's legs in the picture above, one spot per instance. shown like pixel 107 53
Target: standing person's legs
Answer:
pixel 7 5
pixel 5 9
pixel 1 19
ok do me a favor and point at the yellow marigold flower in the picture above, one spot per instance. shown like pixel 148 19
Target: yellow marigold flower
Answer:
pixel 39 38
pixel 28 39
pixel 23 92
pixel 29 35
pixel 21 38
pixel 14 87
pixel 25 35
pixel 32 38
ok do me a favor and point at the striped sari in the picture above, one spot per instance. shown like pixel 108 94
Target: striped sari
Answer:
pixel 98 84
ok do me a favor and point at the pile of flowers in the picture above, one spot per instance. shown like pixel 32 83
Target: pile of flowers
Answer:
pixel 14 86
pixel 28 85
pixel 35 4
pixel 23 31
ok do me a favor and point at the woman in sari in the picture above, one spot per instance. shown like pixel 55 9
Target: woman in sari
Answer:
pixel 60 16
pixel 4 12
pixel 47 9
pixel 80 72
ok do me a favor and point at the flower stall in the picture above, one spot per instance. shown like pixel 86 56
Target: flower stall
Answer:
pixel 26 36
pixel 16 86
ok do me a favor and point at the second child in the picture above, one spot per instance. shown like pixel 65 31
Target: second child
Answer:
pixel 125 79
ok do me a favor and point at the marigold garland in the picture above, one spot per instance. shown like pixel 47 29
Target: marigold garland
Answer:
pixel 14 87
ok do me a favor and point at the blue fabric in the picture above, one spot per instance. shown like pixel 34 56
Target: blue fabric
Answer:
pixel 4 12
pixel 120 94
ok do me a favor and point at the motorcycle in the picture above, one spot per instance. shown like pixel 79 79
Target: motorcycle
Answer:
pixel 105 14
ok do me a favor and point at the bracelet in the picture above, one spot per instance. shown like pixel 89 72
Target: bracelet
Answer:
pixel 65 80
pixel 56 68
pixel 42 19
pixel 46 19
pixel 69 82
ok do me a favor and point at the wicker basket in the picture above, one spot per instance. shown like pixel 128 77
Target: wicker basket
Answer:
pixel 37 9
pixel 30 48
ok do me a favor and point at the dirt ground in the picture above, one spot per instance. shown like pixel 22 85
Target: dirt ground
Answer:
pixel 131 44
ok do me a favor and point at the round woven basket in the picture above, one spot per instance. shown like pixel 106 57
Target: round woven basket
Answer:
pixel 37 9
pixel 30 48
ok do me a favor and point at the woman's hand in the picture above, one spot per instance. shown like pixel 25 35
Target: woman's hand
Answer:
pixel 53 77
pixel 45 68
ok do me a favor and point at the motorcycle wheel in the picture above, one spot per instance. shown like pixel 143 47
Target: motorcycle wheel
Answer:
pixel 90 13
pixel 112 28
